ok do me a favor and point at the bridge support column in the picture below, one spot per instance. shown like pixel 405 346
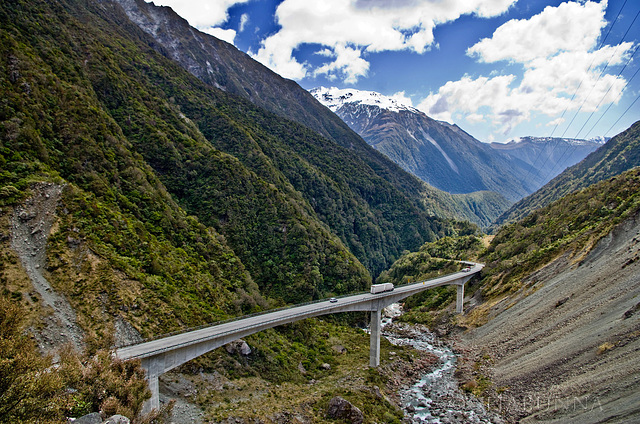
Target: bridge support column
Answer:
pixel 374 341
pixel 460 299
pixel 153 369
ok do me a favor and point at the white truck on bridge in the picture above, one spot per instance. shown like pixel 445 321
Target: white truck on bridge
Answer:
pixel 381 288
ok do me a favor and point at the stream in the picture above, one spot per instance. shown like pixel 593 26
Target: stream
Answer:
pixel 435 397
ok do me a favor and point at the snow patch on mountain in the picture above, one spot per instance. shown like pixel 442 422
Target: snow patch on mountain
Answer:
pixel 334 98
pixel 441 150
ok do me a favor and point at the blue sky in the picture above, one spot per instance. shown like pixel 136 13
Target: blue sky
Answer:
pixel 499 69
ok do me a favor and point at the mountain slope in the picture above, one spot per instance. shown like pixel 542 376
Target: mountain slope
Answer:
pixel 548 156
pixel 221 65
pixel 558 309
pixel 90 105
pixel 619 154
pixel 441 154
pixel 551 332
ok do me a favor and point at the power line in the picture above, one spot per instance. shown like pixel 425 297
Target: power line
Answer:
pixel 586 98
pixel 610 87
pixel 571 100
pixel 611 104
pixel 623 113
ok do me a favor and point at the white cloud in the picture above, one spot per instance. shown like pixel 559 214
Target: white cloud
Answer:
pixel 201 14
pixel 557 50
pixel 227 35
pixel 347 64
pixel 347 27
pixel 555 122
pixel 475 118
pixel 244 20
pixel 569 27
pixel 402 98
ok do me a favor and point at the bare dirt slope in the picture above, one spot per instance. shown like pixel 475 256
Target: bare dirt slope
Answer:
pixel 30 227
pixel 570 351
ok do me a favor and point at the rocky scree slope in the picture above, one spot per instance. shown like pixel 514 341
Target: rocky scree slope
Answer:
pixel 566 349
pixel 554 324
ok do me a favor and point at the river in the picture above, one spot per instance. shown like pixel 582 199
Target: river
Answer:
pixel 435 397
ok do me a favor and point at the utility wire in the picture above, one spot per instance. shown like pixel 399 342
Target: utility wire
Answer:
pixel 611 104
pixel 586 98
pixel 572 97
pixel 601 73
pixel 623 113
pixel 610 87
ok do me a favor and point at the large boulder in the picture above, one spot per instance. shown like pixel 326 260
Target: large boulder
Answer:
pixel 340 408
pixel 117 419
pixel 92 418
pixel 238 346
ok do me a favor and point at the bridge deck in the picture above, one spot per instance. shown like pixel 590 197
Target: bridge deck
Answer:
pixel 358 302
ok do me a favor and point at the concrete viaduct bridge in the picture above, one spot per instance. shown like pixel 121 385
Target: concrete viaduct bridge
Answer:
pixel 161 355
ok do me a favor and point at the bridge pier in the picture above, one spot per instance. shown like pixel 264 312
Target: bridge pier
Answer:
pixel 150 365
pixel 374 339
pixel 460 298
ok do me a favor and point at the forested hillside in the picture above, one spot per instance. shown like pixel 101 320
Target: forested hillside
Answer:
pixel 136 200
pixel 619 154
pixel 179 204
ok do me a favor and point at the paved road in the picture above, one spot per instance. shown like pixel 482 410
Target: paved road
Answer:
pixel 252 324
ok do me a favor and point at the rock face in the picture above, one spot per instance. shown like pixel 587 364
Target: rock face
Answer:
pixel 340 408
pixel 117 419
pixel 96 418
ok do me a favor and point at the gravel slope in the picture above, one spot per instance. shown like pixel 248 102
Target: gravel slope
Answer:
pixel 570 351
pixel 30 227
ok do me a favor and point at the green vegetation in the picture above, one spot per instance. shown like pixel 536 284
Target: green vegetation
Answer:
pixel 327 360
pixel 181 204
pixel 571 225
pixel 618 155
pixel 34 389
pixel 432 260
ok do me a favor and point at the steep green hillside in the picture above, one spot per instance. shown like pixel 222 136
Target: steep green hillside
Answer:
pixel 221 65
pixel 619 154
pixel 571 225
pixel 87 102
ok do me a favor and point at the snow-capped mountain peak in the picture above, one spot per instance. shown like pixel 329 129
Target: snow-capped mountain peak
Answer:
pixel 334 98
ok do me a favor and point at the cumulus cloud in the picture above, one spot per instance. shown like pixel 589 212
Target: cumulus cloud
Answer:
pixel 227 35
pixel 203 15
pixel 351 28
pixel 348 64
pixel 561 69
pixel 568 27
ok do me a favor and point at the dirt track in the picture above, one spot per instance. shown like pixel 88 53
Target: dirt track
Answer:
pixel 570 351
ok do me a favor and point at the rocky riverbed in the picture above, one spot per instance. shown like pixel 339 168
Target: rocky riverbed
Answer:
pixel 435 397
